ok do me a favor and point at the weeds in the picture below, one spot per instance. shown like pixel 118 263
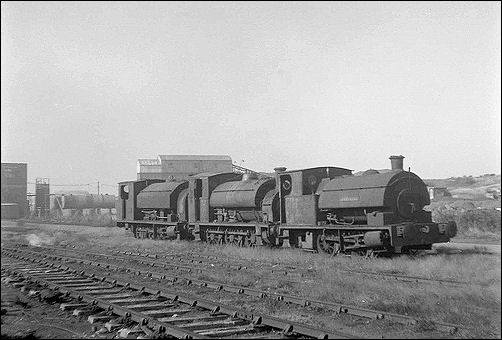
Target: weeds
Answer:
pixel 471 222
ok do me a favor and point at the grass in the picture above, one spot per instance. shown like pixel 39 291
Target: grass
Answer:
pixel 327 282
pixel 97 220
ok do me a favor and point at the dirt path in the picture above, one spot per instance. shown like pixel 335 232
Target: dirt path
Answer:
pixel 464 246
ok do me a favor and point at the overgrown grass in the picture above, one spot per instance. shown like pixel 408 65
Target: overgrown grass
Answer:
pixel 95 220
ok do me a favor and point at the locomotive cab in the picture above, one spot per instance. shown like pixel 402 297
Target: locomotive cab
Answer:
pixel 126 203
pixel 298 201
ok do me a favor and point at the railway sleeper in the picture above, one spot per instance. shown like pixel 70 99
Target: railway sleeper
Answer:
pixel 186 320
pixel 205 325
pixel 372 314
pixel 231 329
pixel 99 318
pixel 145 307
pixel 68 306
pixel 162 313
pixel 337 308
pixel 97 290
pixel 226 331
pixel 120 294
pixel 84 311
pixel 130 333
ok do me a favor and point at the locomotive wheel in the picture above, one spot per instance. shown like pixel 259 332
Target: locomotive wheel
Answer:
pixel 415 253
pixel 233 240
pixel 211 239
pixel 327 246
pixel 371 254
pixel 247 242
pixel 240 242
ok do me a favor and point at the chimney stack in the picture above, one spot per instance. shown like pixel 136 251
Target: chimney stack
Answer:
pixel 396 162
pixel 279 169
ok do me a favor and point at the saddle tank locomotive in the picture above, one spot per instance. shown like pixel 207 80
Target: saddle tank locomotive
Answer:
pixel 325 209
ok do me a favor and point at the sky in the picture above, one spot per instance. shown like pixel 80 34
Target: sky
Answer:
pixel 87 88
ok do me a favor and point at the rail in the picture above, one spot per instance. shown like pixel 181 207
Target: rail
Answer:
pixel 302 301
pixel 154 309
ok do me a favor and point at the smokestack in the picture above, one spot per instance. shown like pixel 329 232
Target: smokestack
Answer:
pixel 279 169
pixel 396 162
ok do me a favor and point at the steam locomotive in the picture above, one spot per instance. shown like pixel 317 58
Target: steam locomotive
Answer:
pixel 325 209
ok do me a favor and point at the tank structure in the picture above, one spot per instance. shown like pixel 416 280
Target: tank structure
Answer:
pixel 399 195
pixel 239 201
pixel 81 203
pixel 89 201
pixel 42 197
pixel 160 200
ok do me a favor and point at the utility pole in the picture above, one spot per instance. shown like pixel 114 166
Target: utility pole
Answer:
pixel 98 187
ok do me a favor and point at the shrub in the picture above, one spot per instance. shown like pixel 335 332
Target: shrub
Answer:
pixel 485 220
pixel 471 222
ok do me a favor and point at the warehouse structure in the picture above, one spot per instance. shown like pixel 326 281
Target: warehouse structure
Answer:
pixel 14 190
pixel 180 167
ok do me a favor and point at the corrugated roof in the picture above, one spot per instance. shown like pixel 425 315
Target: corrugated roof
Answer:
pixel 195 158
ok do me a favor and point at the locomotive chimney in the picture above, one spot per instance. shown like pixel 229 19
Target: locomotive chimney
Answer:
pixel 279 169
pixel 396 162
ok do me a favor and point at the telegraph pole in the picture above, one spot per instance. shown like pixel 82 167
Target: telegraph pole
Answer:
pixel 98 187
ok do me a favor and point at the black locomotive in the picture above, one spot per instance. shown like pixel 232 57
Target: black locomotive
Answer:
pixel 324 208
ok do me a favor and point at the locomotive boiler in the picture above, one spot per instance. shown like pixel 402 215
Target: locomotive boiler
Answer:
pixel 321 209
pixel 241 201
pixel 379 211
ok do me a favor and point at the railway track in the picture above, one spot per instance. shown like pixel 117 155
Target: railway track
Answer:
pixel 150 259
pixel 190 269
pixel 302 301
pixel 139 310
pixel 297 272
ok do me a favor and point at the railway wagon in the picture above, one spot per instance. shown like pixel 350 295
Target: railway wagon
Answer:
pixel 325 209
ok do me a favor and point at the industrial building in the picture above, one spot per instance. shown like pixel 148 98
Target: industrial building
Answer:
pixel 14 190
pixel 436 192
pixel 180 167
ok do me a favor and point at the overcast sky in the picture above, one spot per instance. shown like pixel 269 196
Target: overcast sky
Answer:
pixel 88 88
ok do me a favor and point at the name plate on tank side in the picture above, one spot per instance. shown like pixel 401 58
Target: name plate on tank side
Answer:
pixel 349 199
